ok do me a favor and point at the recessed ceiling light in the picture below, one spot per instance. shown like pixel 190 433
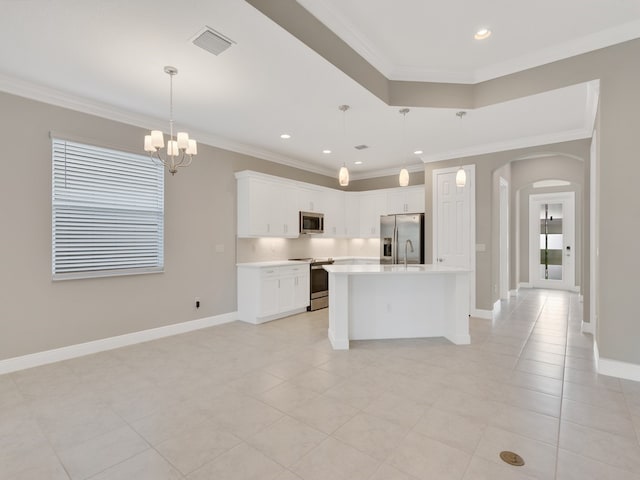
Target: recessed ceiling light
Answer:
pixel 482 33
pixel 359 162
pixel 418 152
pixel 285 136
pixel 326 151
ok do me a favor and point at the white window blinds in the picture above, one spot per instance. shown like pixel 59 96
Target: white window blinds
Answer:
pixel 108 212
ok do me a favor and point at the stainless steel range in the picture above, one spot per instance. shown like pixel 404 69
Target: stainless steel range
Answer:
pixel 319 283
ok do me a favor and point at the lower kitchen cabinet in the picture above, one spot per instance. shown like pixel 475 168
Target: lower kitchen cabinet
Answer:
pixel 270 292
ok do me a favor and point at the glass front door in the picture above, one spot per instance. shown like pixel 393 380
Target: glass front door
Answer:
pixel 551 241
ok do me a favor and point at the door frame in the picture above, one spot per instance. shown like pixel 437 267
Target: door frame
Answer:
pixel 569 275
pixel 470 170
pixel 504 239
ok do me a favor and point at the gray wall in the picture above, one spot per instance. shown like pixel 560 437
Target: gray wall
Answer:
pixel 524 174
pixel 488 168
pixel 38 314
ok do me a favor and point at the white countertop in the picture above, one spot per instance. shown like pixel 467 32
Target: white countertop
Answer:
pixel 393 269
pixel 273 263
pixel 284 263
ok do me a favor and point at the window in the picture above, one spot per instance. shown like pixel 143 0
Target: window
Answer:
pixel 108 212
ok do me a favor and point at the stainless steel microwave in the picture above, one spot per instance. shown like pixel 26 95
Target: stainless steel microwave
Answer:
pixel 311 222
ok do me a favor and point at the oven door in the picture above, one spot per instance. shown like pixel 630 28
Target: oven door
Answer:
pixel 319 282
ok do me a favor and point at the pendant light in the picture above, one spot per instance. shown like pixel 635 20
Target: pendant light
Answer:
pixel 343 174
pixel 403 178
pixel 461 175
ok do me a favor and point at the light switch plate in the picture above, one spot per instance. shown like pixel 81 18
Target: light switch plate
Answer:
pixel 481 247
pixel 220 248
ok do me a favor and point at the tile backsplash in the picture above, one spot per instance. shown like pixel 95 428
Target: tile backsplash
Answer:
pixel 266 249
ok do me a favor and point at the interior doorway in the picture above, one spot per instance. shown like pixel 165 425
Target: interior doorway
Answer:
pixel 504 239
pixel 552 240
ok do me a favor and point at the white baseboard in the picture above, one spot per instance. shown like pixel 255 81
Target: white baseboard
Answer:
pixel 513 293
pixel 338 344
pixel 524 285
pixel 497 306
pixel 95 346
pixel 615 368
pixel 586 327
pixel 478 313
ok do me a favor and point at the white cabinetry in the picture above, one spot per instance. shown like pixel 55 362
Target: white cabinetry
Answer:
pixel 269 206
pixel 372 205
pixel 269 292
pixel 311 199
pixel 405 200
pixel 352 214
pixel 334 214
pixel 266 208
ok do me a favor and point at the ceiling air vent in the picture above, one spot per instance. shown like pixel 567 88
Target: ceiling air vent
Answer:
pixel 212 41
pixel 361 147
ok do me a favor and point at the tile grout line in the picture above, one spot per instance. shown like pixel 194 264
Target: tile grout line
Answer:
pixel 566 349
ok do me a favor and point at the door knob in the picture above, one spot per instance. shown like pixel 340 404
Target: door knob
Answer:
pixel 441 259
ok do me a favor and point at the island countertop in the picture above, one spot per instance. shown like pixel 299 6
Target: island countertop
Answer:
pixel 374 302
pixel 427 269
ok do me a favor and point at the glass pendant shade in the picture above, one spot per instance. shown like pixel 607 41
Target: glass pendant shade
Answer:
pixel 403 178
pixel 461 177
pixel 343 176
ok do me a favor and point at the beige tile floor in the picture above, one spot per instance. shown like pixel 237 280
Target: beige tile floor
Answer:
pixel 274 401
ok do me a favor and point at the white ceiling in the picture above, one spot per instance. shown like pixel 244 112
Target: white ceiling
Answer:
pixel 107 57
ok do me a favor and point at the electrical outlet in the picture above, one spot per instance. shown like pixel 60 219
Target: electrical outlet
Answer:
pixel 197 301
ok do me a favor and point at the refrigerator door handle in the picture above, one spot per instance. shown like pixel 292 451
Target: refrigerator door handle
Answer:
pixel 394 258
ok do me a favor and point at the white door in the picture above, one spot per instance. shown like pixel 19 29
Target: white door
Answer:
pixel 451 232
pixel 454 223
pixel 552 240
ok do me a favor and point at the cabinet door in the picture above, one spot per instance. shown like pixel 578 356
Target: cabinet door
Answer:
pixel 310 200
pixel 301 296
pixel 289 210
pixel 334 214
pixel 372 205
pixel 415 199
pixel 396 202
pixel 286 293
pixel 352 214
pixel 269 292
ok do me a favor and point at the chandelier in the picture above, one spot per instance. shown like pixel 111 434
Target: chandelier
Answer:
pixel 180 149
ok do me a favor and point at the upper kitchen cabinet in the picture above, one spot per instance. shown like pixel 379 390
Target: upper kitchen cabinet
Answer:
pixel 405 200
pixel 372 205
pixel 266 206
pixel 334 214
pixel 352 214
pixel 311 199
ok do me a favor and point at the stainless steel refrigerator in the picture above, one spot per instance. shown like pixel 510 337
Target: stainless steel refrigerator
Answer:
pixel 400 234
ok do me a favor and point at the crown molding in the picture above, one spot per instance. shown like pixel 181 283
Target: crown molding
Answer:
pixel 514 144
pixel 386 172
pixel 77 103
pixel 350 34
pixel 577 46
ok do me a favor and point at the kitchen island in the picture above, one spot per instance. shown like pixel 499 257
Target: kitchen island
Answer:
pixel 370 302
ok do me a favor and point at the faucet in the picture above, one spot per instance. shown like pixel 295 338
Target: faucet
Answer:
pixel 410 244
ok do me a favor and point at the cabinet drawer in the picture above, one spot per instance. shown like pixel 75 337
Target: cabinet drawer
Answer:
pixel 270 272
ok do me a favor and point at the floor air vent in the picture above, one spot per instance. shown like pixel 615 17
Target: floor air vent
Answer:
pixel 212 41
